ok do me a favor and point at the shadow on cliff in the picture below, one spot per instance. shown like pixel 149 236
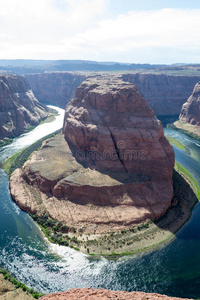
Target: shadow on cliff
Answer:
pixel 121 177
pixel 183 201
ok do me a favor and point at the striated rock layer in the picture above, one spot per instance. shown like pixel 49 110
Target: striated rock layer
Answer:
pixel 113 170
pixel 57 88
pixel 18 106
pixel 190 112
pixel 93 294
pixel 165 94
pixel 116 131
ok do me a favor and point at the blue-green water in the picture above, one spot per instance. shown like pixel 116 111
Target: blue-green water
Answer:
pixel 174 269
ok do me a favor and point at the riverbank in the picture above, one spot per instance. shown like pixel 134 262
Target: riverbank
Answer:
pixel 186 128
pixel 10 288
pixel 127 240
pixel 50 118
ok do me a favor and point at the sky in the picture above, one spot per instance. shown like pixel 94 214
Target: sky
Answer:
pixel 128 31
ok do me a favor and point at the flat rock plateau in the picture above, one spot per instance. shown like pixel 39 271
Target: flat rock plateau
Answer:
pixel 110 170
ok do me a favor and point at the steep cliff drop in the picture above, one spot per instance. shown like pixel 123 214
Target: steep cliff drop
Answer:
pixel 189 118
pixel 57 88
pixel 18 106
pixel 112 171
pixel 165 94
pixel 190 112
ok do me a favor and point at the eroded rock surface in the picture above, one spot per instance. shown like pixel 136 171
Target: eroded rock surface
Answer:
pixel 18 106
pixel 165 94
pixel 113 169
pixel 116 130
pixel 190 112
pixel 93 294
pixel 57 88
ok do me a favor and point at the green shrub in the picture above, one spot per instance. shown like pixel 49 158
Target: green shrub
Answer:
pixel 55 228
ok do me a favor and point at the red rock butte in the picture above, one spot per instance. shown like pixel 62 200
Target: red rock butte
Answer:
pixel 112 169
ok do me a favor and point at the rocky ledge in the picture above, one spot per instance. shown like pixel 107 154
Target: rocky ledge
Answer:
pixel 93 294
pixel 19 108
pixel 111 170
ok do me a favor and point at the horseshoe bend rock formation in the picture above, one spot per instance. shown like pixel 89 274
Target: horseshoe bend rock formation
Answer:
pixel 190 112
pixel 18 106
pixel 112 169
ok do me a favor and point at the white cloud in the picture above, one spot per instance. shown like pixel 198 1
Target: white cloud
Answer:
pixel 78 29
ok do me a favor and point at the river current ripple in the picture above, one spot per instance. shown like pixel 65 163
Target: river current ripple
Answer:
pixel 174 269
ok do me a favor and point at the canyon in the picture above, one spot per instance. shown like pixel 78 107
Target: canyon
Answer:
pixel 19 108
pixel 112 168
pixel 165 94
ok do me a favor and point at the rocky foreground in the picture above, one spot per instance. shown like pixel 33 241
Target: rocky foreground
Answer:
pixel 93 294
pixel 19 108
pixel 112 169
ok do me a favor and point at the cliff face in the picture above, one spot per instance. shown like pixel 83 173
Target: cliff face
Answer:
pixel 109 120
pixel 93 294
pixel 190 112
pixel 165 94
pixel 113 170
pixel 18 106
pixel 57 88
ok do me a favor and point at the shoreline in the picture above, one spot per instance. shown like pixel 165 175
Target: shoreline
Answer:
pixel 48 119
pixel 140 238
pixel 186 128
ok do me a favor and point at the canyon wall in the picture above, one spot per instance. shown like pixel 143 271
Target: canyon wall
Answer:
pixel 190 111
pixel 18 106
pixel 56 88
pixel 165 94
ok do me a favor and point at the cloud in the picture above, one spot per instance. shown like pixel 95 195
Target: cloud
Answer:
pixel 81 29
pixel 164 28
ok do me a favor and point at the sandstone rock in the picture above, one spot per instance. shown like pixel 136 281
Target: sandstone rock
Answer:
pixel 190 112
pixel 57 88
pixel 165 94
pixel 113 170
pixel 8 291
pixel 93 294
pixel 116 130
pixel 18 106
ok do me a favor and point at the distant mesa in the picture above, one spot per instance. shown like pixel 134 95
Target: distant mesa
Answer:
pixel 112 169
pixel 19 108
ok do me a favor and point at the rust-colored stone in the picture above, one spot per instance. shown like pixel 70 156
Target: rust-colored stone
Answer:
pixel 93 294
